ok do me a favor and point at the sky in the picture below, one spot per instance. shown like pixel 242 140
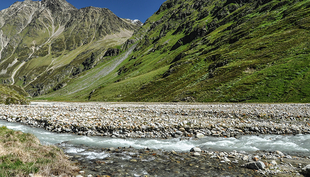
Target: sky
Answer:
pixel 132 9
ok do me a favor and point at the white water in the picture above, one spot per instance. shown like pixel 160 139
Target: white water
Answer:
pixel 298 143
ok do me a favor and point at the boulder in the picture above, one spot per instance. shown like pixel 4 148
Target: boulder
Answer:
pixel 306 170
pixel 259 165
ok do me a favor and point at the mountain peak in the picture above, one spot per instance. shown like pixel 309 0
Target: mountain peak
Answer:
pixel 57 4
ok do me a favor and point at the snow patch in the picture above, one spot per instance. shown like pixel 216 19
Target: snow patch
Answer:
pixel 136 22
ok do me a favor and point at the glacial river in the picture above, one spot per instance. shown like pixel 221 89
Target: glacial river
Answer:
pixel 288 144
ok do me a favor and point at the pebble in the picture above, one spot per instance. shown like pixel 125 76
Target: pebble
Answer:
pixel 161 120
pixel 280 153
pixel 196 154
pixel 255 165
pixel 195 149
pixel 199 135
pixel 273 163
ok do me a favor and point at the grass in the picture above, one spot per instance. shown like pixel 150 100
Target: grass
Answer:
pixel 196 50
pixel 22 154
pixel 265 58
pixel 11 94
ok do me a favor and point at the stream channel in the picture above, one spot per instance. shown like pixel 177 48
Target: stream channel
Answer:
pixel 86 148
pixel 288 144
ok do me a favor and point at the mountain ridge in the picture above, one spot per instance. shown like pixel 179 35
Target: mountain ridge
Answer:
pixel 39 37
pixel 194 50
pixel 220 51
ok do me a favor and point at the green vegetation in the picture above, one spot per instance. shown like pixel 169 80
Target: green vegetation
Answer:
pixel 215 51
pixel 11 94
pixel 22 154
pixel 46 50
pixel 194 50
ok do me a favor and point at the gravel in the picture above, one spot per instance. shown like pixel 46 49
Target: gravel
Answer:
pixel 172 120
pixel 162 120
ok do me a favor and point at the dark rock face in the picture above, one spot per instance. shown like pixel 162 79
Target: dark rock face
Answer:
pixel 112 52
pixel 89 62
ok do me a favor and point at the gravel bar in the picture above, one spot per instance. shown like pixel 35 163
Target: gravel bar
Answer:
pixel 162 120
pixel 171 120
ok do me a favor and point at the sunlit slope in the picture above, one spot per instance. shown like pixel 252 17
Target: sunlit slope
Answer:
pixel 223 51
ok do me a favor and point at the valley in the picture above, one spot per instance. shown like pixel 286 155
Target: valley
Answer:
pixel 201 88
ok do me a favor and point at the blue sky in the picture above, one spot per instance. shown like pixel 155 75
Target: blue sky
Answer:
pixel 132 9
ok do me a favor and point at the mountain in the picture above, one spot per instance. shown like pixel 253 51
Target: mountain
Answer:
pixel 43 43
pixel 218 51
pixel 189 50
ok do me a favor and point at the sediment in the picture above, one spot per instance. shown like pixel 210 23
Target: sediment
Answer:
pixel 172 120
pixel 162 120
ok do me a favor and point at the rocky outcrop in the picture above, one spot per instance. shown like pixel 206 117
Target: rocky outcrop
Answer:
pixel 111 52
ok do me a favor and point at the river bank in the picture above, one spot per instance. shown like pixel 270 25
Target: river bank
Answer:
pixel 128 161
pixel 162 120
pixel 209 126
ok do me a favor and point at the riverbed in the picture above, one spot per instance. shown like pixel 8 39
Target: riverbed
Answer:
pixel 108 138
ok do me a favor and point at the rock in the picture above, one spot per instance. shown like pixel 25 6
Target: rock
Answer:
pixel 78 176
pixel 288 157
pixel 226 159
pixel 279 153
pixel 133 160
pixel 306 170
pixel 256 158
pixel 63 175
pixel 196 154
pixel 199 135
pixel 259 165
pixel 245 158
pixel 182 129
pixel 273 163
pixel 179 132
pixel 111 149
pixel 195 149
pixel 81 172
pixel 173 152
pixel 112 52
pixel 235 161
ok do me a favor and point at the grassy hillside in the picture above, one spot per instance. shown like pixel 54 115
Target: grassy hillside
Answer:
pixel 11 94
pixel 219 51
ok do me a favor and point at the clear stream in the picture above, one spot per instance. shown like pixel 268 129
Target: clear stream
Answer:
pixel 289 144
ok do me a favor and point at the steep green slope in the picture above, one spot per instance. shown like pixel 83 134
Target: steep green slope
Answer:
pixel 44 43
pixel 234 50
pixel 11 94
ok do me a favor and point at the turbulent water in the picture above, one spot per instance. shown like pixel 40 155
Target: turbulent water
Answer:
pixel 289 144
